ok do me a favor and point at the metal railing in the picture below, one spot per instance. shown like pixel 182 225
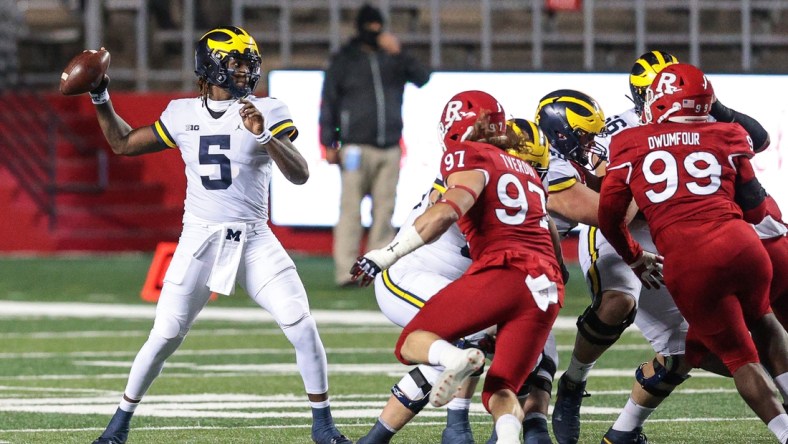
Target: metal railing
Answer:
pixel 589 32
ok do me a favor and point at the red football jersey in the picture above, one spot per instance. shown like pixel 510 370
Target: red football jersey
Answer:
pixel 509 214
pixel 677 173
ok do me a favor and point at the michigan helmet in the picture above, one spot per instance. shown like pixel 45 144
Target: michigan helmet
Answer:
pixel 217 48
pixel 679 93
pixel 644 70
pixel 532 145
pixel 570 120
pixel 462 112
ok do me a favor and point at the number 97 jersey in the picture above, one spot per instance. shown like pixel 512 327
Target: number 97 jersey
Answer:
pixel 509 214
pixel 227 171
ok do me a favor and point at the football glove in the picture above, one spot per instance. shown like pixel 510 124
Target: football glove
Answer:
pixel 648 268
pixel 365 269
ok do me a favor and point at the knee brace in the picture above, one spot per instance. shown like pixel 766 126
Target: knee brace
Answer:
pixel 413 390
pixel 541 378
pixel 665 378
pixel 599 333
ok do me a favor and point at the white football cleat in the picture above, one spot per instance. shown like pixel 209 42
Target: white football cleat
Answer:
pixel 462 364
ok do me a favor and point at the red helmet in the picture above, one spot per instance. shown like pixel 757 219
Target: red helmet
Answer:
pixel 679 93
pixel 463 110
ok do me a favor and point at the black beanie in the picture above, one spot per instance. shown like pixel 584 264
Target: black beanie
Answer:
pixel 368 14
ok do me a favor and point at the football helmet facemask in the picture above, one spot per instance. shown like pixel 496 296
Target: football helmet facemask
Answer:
pixel 646 67
pixel 679 93
pixel 218 54
pixel 462 112
pixel 571 120
pixel 532 147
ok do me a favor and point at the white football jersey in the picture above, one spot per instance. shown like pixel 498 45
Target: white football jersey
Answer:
pixel 447 256
pixel 562 174
pixel 227 172
pixel 615 124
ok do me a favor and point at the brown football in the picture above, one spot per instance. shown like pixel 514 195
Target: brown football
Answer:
pixel 84 72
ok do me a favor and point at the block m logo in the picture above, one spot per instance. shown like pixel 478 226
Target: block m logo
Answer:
pixel 233 235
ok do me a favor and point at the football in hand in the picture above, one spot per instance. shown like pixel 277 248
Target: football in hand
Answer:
pixel 84 72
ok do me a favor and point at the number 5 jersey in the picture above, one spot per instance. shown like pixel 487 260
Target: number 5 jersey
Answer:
pixel 227 171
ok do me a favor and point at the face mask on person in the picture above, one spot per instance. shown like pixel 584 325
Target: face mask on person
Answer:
pixel 369 37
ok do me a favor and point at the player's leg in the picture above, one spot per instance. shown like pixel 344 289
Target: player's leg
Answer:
pixel 662 324
pixel 182 297
pixel 778 292
pixel 400 293
pixel 383 188
pixel 719 321
pixel 269 276
pixel 348 230
pixel 614 291
pixel 514 354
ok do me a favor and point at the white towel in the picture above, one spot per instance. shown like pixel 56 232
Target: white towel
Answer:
pixel 543 290
pixel 232 238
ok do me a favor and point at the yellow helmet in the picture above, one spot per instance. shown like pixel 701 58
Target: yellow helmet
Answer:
pixel 532 147
pixel 216 47
pixel 644 70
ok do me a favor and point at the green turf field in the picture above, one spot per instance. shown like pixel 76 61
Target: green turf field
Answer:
pixel 234 380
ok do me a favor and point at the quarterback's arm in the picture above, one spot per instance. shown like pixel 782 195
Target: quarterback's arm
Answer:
pixel 577 203
pixel 289 160
pixel 122 138
pixel 758 134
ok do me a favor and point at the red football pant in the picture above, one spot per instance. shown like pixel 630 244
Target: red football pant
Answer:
pixel 777 248
pixel 719 276
pixel 486 297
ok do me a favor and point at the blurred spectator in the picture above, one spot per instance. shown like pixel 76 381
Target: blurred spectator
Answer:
pixel 362 112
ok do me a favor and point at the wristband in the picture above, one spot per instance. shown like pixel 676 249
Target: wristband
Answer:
pixel 408 240
pixel 264 137
pixel 100 98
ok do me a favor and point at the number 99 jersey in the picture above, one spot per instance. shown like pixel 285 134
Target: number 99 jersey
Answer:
pixel 227 171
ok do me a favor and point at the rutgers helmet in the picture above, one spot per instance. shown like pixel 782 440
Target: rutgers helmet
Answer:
pixel 644 70
pixel 218 47
pixel 532 147
pixel 463 111
pixel 679 93
pixel 571 119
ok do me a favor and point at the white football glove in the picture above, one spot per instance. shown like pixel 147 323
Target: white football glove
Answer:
pixel 648 268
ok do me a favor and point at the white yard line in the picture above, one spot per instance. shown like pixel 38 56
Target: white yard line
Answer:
pixel 17 309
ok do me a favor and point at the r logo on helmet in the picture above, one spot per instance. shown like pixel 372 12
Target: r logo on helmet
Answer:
pixel 666 83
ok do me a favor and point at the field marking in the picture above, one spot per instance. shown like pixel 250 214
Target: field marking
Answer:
pixel 205 352
pixel 416 423
pixel 17 309
pixel 243 406
pixel 197 331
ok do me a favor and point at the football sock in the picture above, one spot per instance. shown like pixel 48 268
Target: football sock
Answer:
pixel 128 406
pixel 508 425
pixel 779 426
pixel 632 416
pixel 437 350
pixel 781 381
pixel 459 404
pixel 578 371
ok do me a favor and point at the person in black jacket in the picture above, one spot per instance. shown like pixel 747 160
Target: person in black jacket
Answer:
pixel 361 112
